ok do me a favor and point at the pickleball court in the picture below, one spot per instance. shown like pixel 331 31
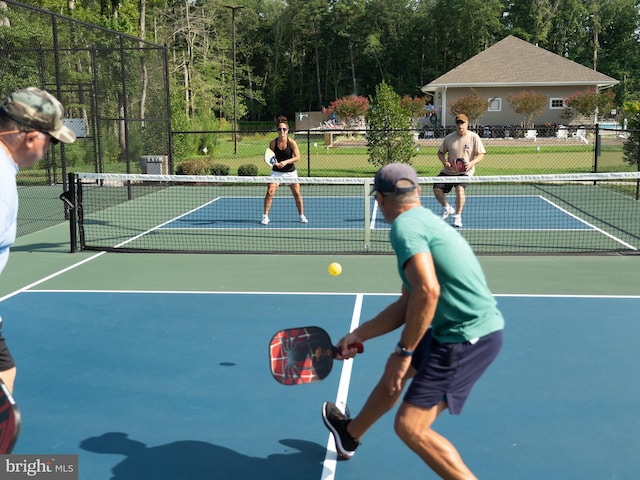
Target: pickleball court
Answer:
pixel 156 366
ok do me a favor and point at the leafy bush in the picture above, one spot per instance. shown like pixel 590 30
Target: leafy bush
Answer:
pixel 631 147
pixel 350 107
pixel 193 166
pixel 415 105
pixel 588 102
pixel 473 105
pixel 220 169
pixel 389 138
pixel 528 104
pixel 248 170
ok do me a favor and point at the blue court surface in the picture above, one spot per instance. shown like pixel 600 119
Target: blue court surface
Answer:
pixel 482 212
pixel 176 385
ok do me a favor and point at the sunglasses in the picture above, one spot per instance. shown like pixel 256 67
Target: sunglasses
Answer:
pixel 282 129
pixel 52 140
pixel 459 122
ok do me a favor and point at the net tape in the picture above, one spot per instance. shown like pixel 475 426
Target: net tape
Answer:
pixel 537 178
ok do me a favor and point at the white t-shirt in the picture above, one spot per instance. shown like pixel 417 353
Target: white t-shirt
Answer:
pixel 8 205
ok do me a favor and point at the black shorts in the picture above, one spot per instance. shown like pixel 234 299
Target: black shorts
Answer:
pixel 446 187
pixel 448 371
pixel 6 360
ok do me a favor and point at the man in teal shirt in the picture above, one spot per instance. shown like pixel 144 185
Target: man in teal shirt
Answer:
pixel 451 329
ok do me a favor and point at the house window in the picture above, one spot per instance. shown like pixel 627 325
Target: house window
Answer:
pixel 495 105
pixel 556 103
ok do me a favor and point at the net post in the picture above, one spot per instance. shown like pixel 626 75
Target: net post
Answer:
pixel 69 197
pixel 596 150
pixel 368 184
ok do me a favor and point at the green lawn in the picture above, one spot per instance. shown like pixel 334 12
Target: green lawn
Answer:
pixel 348 157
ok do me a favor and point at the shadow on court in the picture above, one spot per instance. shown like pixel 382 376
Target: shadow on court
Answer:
pixel 194 460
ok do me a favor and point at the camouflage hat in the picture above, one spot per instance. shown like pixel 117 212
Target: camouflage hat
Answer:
pixel 39 110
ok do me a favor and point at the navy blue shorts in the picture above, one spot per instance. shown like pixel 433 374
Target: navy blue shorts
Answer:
pixel 6 360
pixel 448 371
pixel 446 187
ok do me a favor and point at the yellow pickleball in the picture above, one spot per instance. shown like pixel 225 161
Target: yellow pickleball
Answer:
pixel 335 269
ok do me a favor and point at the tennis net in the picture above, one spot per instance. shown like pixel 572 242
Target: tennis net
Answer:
pixel 529 214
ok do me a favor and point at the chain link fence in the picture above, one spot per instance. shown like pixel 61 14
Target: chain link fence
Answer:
pixel 343 153
pixel 115 92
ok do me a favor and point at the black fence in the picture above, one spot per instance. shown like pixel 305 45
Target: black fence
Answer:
pixel 344 152
pixel 114 89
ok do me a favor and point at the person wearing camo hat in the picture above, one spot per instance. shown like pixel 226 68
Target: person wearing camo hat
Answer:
pixel 30 121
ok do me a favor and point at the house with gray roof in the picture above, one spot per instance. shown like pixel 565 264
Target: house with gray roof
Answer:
pixel 509 67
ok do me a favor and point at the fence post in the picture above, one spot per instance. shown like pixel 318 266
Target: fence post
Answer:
pixel 597 148
pixel 308 153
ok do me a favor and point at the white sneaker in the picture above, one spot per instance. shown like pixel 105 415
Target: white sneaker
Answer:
pixel 446 211
pixel 457 221
pixel 303 219
pixel 265 220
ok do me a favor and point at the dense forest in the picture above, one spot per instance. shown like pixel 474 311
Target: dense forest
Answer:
pixel 300 55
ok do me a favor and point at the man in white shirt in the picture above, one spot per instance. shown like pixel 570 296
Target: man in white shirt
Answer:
pixel 30 121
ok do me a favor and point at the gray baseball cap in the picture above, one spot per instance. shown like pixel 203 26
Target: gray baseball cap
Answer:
pixel 39 110
pixel 387 178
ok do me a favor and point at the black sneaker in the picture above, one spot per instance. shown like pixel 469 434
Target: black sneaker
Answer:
pixel 337 422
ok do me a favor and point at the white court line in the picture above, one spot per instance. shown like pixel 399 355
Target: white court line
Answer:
pixel 60 272
pixel 158 227
pixel 331 457
pixel 614 238
pixel 245 292
pixel 49 277
pixel 374 215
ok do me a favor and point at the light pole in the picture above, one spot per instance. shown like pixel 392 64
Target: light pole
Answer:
pixel 235 79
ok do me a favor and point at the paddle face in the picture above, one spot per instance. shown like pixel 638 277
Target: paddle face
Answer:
pixel 460 165
pixel 270 157
pixel 9 421
pixel 301 355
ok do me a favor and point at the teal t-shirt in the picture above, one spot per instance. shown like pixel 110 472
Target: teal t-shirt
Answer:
pixel 466 307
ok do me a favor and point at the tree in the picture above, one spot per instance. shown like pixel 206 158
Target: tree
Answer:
pixel 589 103
pixel 529 104
pixel 352 108
pixel 347 16
pixel 567 32
pixel 299 54
pixel 531 20
pixel 389 138
pixel 472 105
pixel 619 52
pixel 463 28
pixel 631 147
pixel 315 12
pixel 414 105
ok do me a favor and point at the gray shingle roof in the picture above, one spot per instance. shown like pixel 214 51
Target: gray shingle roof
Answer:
pixel 513 61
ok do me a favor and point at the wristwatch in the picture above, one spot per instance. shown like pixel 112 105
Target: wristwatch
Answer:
pixel 402 352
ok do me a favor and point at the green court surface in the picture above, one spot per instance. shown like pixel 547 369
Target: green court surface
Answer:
pixel 155 365
pixel 45 253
